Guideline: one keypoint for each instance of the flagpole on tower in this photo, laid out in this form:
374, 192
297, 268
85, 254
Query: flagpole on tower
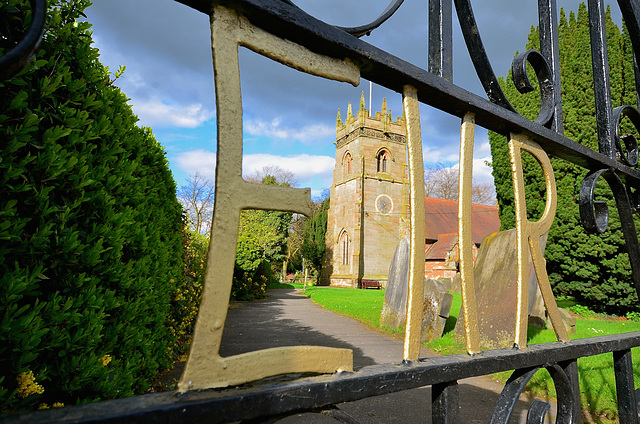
370, 91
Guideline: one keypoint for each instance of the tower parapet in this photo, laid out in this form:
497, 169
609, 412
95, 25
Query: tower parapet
381, 126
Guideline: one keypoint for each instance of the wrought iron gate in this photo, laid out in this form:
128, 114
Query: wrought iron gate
283, 32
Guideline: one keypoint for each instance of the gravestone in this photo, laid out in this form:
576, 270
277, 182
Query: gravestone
436, 307
448, 283
568, 320
455, 284
495, 278
537, 311
436, 300
394, 309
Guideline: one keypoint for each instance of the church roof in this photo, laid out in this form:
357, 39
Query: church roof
441, 217
440, 249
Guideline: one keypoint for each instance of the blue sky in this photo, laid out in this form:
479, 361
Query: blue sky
289, 117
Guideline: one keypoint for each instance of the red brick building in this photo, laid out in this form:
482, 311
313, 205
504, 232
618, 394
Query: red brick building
369, 211
441, 239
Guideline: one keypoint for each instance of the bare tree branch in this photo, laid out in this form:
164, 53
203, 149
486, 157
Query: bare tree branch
442, 182
197, 200
282, 176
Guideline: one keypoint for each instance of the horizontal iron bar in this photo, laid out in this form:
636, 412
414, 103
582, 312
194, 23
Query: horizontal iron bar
253, 401
290, 22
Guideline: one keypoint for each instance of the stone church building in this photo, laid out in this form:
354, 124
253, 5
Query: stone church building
369, 207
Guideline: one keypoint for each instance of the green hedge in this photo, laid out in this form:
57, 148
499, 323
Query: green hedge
188, 291
90, 227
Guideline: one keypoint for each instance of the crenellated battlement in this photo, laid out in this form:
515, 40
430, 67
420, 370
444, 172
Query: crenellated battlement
381, 126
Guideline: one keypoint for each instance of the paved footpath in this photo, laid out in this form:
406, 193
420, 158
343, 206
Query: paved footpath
288, 318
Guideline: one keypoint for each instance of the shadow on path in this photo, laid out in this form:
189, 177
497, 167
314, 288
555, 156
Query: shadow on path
287, 318
264, 324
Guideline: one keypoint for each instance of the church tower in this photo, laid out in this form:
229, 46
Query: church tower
369, 210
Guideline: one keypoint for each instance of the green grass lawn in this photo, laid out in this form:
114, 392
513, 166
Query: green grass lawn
363, 305
597, 383
597, 380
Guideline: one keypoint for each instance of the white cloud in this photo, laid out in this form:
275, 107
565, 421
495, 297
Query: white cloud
440, 155
201, 161
481, 172
274, 129
450, 155
303, 166
130, 81
157, 113
482, 149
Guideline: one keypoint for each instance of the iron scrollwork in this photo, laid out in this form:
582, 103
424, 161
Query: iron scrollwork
13, 61
595, 214
478, 54
627, 153
547, 71
359, 31
366, 29
545, 81
538, 410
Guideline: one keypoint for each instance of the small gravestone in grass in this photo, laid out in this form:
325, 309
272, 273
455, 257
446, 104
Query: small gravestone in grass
394, 308
436, 307
436, 300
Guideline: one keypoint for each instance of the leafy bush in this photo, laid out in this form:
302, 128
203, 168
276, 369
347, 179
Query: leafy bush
581, 310
633, 316
188, 292
315, 231
261, 248
251, 284
90, 228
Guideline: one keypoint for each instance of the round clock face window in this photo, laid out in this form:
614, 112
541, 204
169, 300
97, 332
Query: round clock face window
384, 204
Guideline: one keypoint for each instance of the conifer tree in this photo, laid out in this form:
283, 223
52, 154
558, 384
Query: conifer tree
314, 235
592, 268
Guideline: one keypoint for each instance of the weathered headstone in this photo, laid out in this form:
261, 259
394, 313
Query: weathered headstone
394, 308
537, 311
447, 283
436, 308
436, 300
455, 284
495, 278
568, 320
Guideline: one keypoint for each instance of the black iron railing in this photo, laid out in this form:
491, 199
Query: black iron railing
615, 161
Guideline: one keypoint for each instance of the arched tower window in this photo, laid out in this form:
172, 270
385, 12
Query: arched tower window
347, 163
343, 245
383, 161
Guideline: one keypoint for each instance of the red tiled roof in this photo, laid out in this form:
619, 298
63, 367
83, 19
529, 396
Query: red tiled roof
439, 250
441, 217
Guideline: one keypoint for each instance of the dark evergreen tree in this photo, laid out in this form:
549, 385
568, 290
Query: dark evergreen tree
592, 268
314, 235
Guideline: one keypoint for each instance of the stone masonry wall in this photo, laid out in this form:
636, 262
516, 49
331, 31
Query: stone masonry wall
369, 204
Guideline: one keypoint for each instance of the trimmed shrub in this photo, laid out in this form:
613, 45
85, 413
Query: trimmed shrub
90, 227
187, 293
